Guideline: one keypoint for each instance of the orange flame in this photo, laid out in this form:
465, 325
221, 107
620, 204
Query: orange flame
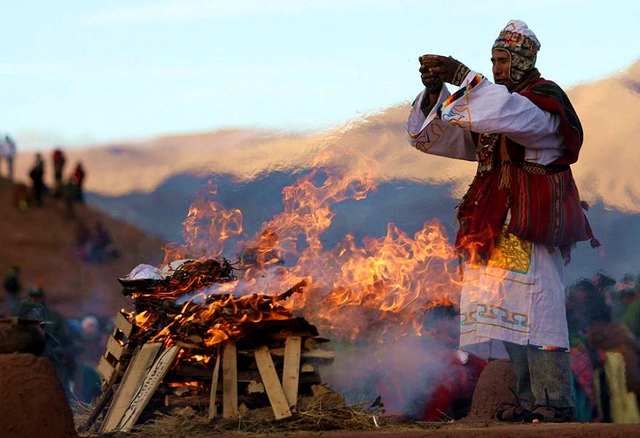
382, 286
206, 229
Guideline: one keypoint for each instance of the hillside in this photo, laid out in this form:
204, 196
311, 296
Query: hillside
41, 241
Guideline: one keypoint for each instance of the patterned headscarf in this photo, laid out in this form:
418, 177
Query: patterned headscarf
521, 44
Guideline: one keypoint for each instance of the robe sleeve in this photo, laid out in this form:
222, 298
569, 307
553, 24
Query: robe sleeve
434, 136
483, 107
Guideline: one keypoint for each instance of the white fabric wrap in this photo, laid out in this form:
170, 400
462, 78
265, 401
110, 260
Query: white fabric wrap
538, 294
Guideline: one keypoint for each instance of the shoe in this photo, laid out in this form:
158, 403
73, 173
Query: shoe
513, 412
549, 414
510, 413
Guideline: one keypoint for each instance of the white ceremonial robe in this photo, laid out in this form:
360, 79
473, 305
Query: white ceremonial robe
519, 296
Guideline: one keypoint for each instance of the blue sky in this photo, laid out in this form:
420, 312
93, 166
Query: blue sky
82, 72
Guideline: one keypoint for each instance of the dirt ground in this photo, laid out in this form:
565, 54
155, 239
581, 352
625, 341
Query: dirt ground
479, 430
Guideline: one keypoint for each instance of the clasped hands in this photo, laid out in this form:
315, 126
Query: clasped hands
436, 69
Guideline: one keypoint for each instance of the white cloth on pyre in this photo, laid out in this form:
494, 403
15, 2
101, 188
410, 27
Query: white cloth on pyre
171, 268
525, 306
144, 272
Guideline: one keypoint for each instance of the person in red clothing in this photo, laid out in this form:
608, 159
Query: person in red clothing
451, 399
521, 215
58, 167
77, 180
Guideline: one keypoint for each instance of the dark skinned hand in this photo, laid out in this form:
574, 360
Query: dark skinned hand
447, 69
429, 78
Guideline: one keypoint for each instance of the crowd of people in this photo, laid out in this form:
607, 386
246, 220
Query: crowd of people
603, 317
94, 245
69, 189
604, 324
74, 345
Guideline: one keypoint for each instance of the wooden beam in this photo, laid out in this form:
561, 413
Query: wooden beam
131, 381
213, 408
327, 355
149, 385
307, 368
291, 369
229, 381
115, 348
309, 343
188, 400
123, 324
271, 383
108, 390
105, 369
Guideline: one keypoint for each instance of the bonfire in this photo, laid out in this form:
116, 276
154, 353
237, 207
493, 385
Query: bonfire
172, 349
254, 324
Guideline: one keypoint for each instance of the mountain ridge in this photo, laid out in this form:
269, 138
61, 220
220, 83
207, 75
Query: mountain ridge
608, 108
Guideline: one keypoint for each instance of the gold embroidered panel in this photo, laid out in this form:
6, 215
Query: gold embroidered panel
511, 253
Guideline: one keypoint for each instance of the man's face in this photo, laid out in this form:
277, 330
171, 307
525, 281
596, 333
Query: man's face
501, 64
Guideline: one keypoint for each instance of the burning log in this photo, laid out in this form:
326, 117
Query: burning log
192, 347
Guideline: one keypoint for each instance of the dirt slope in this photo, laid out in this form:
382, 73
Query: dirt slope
41, 242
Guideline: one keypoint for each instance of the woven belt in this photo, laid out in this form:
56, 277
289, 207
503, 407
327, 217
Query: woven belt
540, 169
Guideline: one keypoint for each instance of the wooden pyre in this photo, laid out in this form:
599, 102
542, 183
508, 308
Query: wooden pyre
248, 353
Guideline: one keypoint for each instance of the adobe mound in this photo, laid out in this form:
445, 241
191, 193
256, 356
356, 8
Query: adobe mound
33, 403
492, 391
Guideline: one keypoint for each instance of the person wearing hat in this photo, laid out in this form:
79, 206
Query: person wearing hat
521, 214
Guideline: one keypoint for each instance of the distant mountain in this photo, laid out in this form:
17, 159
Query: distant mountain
152, 183
608, 108
42, 243
408, 204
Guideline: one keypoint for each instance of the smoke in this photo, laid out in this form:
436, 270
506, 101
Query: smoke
371, 297
404, 371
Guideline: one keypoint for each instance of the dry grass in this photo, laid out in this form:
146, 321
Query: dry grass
315, 417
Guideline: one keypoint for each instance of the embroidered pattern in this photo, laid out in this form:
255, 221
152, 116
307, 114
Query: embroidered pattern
511, 253
484, 151
496, 316
461, 92
432, 134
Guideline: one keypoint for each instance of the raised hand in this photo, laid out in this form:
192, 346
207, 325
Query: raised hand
447, 69
430, 79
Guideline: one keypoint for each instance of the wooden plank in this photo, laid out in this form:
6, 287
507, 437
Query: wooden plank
123, 324
309, 343
131, 381
147, 388
213, 408
291, 369
313, 354
109, 388
307, 368
187, 400
229, 381
271, 383
104, 368
114, 347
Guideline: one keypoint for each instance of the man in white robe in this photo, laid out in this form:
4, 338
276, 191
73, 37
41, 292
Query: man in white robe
512, 302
